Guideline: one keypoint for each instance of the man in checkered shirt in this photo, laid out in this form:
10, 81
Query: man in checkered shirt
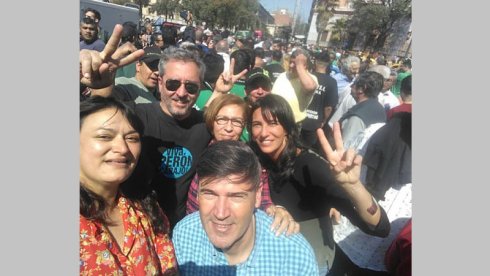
229, 235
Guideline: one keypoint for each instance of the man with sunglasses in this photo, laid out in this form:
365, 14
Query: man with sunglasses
175, 134
142, 88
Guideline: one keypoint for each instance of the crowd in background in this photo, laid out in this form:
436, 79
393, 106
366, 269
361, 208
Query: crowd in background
311, 115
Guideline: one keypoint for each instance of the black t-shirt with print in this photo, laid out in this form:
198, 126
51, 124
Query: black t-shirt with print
170, 152
325, 95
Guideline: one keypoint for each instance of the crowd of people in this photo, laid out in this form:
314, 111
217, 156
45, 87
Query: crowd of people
202, 153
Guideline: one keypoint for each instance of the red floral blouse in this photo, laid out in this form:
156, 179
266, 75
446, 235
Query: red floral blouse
143, 252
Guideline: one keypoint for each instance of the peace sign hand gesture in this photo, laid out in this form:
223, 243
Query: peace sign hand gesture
227, 79
98, 69
345, 164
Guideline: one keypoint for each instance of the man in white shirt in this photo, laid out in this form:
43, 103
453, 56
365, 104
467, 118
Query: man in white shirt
297, 85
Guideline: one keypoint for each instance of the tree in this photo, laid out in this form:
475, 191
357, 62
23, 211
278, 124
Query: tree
142, 3
119, 2
224, 13
324, 9
375, 19
339, 30
166, 7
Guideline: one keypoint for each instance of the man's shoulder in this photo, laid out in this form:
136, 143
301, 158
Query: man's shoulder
98, 45
196, 117
130, 85
330, 79
189, 223
291, 255
188, 237
295, 242
340, 77
282, 78
125, 80
99, 42
313, 76
323, 77
274, 66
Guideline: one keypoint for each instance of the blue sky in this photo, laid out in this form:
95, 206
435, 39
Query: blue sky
304, 6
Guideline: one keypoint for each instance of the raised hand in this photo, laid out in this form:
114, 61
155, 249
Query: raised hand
98, 69
227, 79
283, 221
345, 164
301, 61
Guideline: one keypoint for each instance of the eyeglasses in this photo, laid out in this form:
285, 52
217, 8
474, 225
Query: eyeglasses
173, 85
234, 121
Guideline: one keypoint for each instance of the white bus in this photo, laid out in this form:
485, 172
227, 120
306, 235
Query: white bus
111, 14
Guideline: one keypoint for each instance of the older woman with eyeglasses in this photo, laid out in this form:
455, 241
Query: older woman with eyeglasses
225, 118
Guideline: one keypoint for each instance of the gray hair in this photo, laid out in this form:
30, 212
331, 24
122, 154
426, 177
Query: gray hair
178, 54
222, 46
346, 63
384, 70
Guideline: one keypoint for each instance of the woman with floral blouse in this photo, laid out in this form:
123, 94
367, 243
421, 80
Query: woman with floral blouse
123, 231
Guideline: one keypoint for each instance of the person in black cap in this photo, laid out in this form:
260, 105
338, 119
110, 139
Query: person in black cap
258, 84
143, 87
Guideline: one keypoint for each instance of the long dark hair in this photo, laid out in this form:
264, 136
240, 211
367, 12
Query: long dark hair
94, 207
276, 108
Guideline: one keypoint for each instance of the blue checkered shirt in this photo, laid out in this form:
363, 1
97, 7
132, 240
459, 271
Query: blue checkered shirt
271, 255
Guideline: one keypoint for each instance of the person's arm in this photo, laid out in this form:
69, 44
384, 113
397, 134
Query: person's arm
307, 81
327, 110
346, 167
283, 221
98, 69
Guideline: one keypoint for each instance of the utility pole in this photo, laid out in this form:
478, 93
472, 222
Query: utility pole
295, 16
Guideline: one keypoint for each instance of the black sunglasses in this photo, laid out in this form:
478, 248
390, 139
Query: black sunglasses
173, 85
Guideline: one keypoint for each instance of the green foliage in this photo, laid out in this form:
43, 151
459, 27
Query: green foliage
375, 19
324, 10
166, 7
226, 13
339, 30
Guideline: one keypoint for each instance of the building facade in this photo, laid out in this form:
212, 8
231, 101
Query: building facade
398, 42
